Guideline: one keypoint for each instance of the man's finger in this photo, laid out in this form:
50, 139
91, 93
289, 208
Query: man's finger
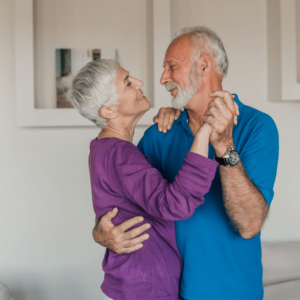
226, 96
218, 117
221, 104
109, 215
129, 223
237, 110
235, 120
209, 120
136, 241
133, 248
129, 235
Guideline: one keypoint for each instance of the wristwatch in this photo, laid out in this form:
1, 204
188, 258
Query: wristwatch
231, 158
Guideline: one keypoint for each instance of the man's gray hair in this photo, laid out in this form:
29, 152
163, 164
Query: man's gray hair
205, 40
94, 87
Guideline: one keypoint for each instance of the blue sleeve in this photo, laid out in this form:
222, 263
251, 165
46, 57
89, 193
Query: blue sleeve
260, 155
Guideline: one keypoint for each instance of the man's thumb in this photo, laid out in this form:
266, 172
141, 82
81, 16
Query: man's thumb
111, 214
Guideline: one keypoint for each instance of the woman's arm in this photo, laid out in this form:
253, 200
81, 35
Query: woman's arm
133, 177
201, 140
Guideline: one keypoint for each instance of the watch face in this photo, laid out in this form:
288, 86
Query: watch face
233, 158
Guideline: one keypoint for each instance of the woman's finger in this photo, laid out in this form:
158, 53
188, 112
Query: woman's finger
161, 116
171, 120
155, 119
178, 114
166, 121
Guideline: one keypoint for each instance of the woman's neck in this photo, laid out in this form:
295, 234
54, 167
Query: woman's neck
125, 134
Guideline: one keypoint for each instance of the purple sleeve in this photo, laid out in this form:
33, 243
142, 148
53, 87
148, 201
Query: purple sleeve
133, 177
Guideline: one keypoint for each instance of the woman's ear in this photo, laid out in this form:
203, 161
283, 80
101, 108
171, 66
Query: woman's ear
109, 112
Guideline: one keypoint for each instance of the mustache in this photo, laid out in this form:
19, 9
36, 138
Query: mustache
171, 86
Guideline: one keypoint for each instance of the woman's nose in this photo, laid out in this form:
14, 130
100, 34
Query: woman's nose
139, 83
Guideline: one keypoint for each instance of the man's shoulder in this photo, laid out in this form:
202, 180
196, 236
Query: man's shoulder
255, 130
153, 134
255, 119
152, 131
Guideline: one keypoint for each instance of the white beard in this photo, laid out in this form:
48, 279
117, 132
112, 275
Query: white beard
184, 94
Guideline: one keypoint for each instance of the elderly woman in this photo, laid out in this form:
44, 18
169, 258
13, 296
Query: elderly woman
122, 177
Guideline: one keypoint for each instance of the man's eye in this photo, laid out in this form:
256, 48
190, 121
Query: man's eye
129, 83
171, 67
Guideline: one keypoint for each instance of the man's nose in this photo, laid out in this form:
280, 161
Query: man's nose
164, 78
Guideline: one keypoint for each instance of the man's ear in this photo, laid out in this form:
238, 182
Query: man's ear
205, 64
109, 112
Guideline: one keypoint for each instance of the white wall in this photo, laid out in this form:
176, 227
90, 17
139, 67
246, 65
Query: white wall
46, 216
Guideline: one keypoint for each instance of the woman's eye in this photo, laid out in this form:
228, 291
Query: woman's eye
129, 84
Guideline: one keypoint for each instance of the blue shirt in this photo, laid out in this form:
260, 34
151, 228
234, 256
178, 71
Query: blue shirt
217, 262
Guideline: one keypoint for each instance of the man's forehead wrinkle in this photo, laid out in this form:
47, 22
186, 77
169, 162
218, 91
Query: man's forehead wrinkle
171, 61
179, 51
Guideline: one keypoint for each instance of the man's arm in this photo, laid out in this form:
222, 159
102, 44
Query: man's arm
243, 201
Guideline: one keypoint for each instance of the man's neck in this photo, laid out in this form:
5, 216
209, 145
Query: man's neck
198, 105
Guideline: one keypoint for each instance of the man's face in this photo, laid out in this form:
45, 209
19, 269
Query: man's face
181, 76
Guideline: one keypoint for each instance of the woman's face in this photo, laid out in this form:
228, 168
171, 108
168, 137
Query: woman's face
131, 99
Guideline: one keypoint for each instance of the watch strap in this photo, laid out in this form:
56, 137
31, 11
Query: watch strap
220, 160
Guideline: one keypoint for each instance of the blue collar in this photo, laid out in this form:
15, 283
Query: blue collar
184, 116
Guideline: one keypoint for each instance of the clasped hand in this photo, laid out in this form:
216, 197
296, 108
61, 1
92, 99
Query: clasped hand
221, 114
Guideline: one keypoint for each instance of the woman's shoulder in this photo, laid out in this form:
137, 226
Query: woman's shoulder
115, 151
114, 146
125, 149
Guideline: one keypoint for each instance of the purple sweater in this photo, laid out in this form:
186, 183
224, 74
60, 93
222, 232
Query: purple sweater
122, 177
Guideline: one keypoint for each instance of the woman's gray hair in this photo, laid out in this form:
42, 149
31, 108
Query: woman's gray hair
205, 40
94, 87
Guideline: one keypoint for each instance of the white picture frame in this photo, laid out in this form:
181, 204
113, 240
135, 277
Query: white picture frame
29, 116
290, 86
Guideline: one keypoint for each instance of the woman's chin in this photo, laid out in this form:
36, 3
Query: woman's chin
146, 104
149, 105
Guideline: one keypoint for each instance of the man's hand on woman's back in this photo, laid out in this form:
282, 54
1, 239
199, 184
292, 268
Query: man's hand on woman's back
117, 238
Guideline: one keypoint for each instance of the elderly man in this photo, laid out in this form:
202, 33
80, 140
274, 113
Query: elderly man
220, 244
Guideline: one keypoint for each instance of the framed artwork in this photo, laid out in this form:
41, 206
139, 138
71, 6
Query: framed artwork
290, 52
40, 95
283, 50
